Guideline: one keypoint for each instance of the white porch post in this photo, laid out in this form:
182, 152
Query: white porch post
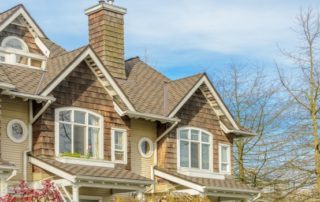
75, 193
3, 186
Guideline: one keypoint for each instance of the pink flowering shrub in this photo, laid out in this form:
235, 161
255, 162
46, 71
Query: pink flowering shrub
23, 193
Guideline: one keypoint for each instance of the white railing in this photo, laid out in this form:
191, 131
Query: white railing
21, 58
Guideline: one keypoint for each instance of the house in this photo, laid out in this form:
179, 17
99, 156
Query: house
99, 125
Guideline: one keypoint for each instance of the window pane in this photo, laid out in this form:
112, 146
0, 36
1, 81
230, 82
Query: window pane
118, 140
224, 167
194, 135
14, 43
205, 156
194, 155
64, 138
224, 154
184, 154
204, 137
79, 139
93, 135
183, 134
119, 155
65, 116
79, 117
145, 147
93, 120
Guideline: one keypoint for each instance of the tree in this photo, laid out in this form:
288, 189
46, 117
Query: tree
304, 89
257, 104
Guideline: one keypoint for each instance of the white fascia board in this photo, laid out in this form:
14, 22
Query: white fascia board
42, 47
110, 79
115, 180
187, 97
52, 169
22, 11
220, 102
88, 52
71, 67
28, 96
205, 80
234, 190
178, 180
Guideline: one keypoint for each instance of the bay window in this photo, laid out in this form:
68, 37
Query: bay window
79, 133
194, 149
119, 145
225, 159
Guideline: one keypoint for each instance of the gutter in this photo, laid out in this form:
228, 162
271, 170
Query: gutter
7, 86
27, 96
162, 119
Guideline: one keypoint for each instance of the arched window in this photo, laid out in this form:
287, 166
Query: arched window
79, 133
14, 42
194, 149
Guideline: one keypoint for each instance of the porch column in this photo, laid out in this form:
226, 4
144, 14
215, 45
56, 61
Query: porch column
3, 186
75, 193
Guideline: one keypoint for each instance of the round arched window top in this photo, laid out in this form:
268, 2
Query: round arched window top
145, 147
14, 42
17, 130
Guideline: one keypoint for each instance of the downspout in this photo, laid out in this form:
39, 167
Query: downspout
155, 150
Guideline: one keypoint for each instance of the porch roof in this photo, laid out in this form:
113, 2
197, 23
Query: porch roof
228, 186
76, 173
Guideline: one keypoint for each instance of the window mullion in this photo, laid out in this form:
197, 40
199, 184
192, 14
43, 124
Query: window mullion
189, 147
72, 130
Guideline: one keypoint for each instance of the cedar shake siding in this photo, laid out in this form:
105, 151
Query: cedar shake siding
80, 89
197, 113
106, 36
23, 33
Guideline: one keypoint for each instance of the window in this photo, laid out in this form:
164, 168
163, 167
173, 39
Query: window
194, 149
225, 162
79, 133
145, 147
17, 131
119, 145
14, 43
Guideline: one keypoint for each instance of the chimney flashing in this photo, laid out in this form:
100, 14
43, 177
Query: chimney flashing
106, 6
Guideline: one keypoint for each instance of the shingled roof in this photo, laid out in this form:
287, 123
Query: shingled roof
225, 184
150, 91
6, 14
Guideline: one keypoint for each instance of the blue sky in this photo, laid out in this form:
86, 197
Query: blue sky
179, 37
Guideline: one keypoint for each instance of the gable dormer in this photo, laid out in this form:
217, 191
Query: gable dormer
20, 42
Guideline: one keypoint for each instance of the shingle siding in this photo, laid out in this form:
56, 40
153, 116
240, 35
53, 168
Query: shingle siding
197, 113
23, 33
79, 89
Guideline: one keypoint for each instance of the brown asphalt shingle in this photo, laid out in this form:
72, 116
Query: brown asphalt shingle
4, 15
94, 171
214, 183
152, 92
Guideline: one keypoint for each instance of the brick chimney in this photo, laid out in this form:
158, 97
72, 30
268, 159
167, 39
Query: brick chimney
106, 35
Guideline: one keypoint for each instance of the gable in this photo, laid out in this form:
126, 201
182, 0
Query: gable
19, 30
79, 89
11, 15
213, 99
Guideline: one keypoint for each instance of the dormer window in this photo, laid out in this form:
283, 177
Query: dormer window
15, 51
14, 43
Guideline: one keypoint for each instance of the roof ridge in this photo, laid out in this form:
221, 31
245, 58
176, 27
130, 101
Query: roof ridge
72, 51
12, 8
188, 77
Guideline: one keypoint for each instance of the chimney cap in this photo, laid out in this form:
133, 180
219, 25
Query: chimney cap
108, 1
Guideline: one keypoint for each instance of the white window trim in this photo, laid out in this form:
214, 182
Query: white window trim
150, 153
57, 135
194, 170
228, 156
24, 128
5, 40
125, 161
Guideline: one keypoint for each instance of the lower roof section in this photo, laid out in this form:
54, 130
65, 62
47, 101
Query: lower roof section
93, 175
211, 187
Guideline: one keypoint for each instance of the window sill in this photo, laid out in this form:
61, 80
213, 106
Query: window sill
86, 162
201, 173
